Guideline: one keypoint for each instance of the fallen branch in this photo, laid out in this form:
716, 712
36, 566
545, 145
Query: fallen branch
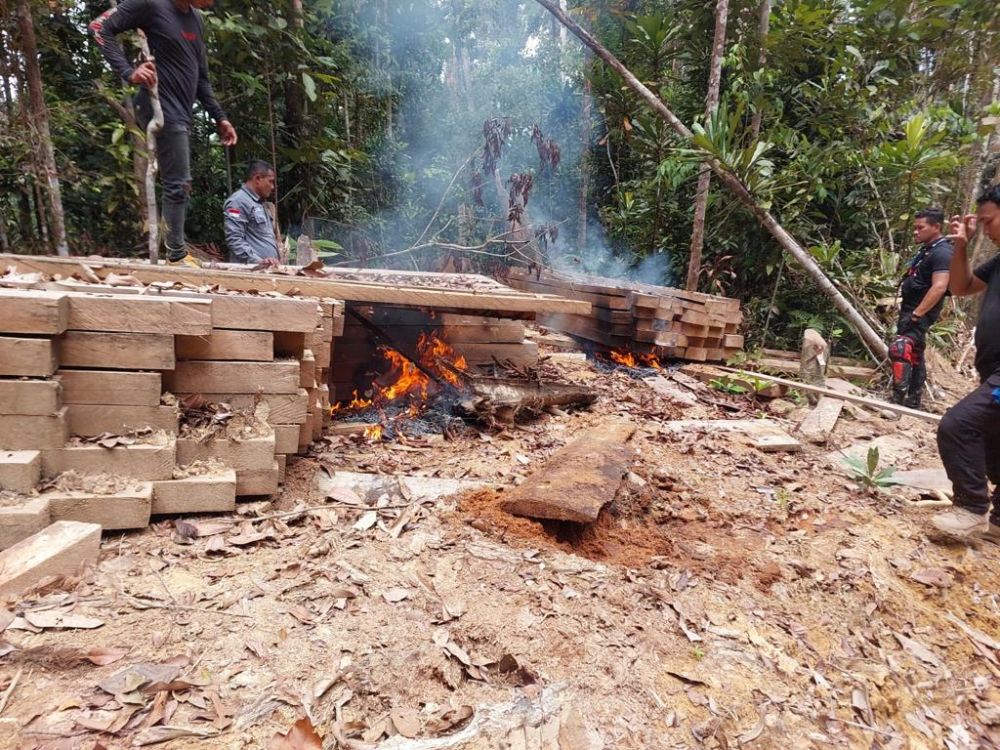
9, 691
867, 334
862, 400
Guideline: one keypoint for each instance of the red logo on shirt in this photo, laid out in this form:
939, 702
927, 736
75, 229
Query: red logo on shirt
189, 35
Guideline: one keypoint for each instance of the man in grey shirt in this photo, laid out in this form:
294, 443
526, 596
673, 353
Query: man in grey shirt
249, 226
175, 31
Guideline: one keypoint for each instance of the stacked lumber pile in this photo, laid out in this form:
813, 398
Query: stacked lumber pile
625, 315
104, 393
479, 339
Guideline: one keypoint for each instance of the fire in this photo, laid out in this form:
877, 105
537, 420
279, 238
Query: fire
373, 433
629, 359
409, 380
433, 350
623, 357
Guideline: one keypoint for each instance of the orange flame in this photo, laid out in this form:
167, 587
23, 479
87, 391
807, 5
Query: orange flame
630, 359
623, 357
409, 380
373, 433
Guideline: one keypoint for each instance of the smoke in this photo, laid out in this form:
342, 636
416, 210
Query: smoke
456, 66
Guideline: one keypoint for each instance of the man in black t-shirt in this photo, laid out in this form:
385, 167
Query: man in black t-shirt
175, 31
969, 434
922, 290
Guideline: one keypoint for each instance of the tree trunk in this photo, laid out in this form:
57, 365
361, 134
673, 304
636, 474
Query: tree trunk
705, 177
981, 147
865, 332
585, 138
40, 117
763, 27
295, 120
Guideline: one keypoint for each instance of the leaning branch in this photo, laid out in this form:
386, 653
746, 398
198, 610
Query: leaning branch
735, 185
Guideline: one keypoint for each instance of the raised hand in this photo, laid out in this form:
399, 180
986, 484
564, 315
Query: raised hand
145, 74
961, 229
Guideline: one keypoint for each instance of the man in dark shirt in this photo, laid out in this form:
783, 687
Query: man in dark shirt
969, 434
923, 290
175, 31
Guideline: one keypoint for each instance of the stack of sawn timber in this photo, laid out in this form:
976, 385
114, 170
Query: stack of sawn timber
81, 364
668, 322
481, 340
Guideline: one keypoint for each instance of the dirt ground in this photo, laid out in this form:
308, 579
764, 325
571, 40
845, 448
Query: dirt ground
726, 598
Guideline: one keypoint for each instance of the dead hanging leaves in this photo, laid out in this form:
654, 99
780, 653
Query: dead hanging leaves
549, 153
496, 131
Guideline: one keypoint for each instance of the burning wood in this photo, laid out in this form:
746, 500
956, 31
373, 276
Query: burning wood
492, 399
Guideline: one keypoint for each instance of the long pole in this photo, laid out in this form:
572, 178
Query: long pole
734, 184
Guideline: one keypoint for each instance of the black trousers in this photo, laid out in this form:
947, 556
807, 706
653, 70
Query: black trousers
173, 153
911, 393
969, 444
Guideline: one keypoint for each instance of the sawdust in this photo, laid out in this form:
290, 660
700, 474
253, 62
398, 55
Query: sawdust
93, 484
11, 499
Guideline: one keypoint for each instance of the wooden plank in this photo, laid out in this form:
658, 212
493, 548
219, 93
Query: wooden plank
18, 522
33, 312
843, 371
283, 408
821, 421
225, 345
525, 353
255, 482
578, 480
873, 402
243, 455
143, 462
778, 442
30, 397
233, 377
88, 420
212, 493
128, 509
109, 387
117, 351
62, 549
255, 313
307, 370
336, 288
286, 438
139, 314
20, 470
19, 432
24, 357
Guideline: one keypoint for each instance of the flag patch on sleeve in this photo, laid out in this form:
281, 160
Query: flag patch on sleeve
233, 211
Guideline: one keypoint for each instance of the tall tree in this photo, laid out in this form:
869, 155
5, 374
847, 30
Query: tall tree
705, 176
763, 26
40, 112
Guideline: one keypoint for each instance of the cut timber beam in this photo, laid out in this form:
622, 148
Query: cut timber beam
578, 480
143, 462
104, 387
510, 301
234, 377
139, 314
30, 397
283, 408
18, 522
88, 420
210, 493
872, 402
20, 470
62, 549
33, 312
128, 509
18, 432
252, 346
23, 357
116, 351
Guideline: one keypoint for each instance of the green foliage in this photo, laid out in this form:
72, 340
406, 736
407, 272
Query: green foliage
867, 473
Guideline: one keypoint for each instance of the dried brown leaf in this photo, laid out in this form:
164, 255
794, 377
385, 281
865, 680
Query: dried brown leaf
301, 736
104, 656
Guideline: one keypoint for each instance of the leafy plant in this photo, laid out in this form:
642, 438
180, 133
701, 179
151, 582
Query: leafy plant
867, 473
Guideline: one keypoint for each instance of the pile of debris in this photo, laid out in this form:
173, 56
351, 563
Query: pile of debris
630, 316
